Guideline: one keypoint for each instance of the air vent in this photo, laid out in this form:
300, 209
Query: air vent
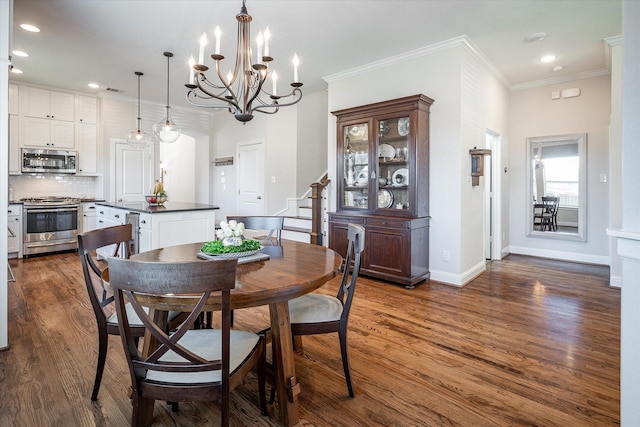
110, 89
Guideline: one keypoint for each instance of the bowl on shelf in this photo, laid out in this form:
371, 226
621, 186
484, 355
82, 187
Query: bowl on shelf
155, 200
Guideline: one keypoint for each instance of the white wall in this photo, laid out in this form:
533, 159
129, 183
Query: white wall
630, 333
468, 99
534, 113
5, 36
289, 140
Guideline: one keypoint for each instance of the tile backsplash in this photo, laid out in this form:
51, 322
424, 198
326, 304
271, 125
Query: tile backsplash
55, 185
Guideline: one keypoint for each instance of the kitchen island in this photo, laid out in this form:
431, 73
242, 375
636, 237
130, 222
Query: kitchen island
172, 223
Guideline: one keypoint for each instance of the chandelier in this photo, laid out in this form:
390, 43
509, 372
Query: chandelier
242, 91
166, 130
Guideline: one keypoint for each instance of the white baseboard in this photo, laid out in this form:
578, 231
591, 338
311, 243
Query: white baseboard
458, 279
615, 281
561, 255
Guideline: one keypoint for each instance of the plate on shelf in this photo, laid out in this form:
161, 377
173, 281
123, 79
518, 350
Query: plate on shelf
357, 130
386, 151
400, 177
385, 198
403, 126
363, 177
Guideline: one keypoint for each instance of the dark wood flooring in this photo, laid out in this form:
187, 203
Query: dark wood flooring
530, 342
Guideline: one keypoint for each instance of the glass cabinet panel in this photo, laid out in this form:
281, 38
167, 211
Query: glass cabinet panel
356, 165
393, 163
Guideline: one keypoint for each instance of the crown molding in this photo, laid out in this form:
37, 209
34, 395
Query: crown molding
456, 42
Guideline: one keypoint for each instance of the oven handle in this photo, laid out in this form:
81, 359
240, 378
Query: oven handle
37, 210
57, 243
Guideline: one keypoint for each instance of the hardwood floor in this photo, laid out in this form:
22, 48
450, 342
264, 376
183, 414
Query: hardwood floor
530, 342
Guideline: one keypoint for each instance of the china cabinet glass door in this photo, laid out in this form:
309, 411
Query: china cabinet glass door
393, 163
356, 165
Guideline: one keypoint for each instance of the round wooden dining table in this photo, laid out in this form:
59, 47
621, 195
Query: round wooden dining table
293, 269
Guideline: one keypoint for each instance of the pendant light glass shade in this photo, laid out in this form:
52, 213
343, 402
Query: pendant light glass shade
166, 130
138, 136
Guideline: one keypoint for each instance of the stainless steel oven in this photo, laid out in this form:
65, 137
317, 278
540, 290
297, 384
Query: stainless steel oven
50, 224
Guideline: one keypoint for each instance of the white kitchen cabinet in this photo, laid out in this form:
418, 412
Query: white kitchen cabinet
14, 99
87, 146
14, 224
14, 145
86, 109
89, 216
108, 217
145, 239
163, 228
46, 104
46, 133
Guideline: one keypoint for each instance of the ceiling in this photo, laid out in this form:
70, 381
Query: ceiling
106, 41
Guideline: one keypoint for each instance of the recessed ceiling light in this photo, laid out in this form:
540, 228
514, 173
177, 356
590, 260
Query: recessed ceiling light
29, 27
558, 68
16, 70
20, 53
94, 85
535, 37
548, 58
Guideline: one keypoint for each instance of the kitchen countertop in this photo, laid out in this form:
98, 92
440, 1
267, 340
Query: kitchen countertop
143, 207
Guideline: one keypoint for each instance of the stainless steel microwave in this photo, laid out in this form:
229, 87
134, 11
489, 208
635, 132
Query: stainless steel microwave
48, 161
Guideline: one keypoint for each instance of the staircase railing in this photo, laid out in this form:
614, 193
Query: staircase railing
316, 209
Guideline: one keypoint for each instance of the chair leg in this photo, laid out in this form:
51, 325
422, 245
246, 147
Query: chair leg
345, 360
103, 341
141, 407
262, 377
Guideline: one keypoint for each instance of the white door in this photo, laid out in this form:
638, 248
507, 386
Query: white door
133, 172
250, 169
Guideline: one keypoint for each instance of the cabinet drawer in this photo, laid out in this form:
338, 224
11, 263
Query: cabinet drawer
345, 219
388, 222
145, 222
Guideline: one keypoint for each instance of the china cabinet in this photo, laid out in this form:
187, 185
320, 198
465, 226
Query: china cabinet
383, 184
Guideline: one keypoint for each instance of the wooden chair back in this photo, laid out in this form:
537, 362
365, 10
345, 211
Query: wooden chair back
274, 224
129, 279
355, 236
119, 238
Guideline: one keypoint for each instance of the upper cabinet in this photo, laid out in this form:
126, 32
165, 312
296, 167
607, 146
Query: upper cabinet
383, 153
14, 106
46, 104
87, 109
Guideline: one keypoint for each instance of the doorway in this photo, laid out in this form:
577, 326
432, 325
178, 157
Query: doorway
492, 225
250, 169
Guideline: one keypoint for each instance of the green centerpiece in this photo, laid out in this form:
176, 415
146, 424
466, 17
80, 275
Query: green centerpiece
231, 241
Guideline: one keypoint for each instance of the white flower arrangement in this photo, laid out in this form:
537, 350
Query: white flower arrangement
230, 233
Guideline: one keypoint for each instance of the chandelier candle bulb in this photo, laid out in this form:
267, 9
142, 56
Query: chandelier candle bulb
274, 77
260, 43
267, 36
192, 72
296, 62
203, 43
217, 33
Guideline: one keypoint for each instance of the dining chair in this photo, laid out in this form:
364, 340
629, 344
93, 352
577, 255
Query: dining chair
552, 204
274, 224
188, 364
316, 313
119, 238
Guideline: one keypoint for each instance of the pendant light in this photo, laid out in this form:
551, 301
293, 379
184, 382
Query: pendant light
138, 136
166, 130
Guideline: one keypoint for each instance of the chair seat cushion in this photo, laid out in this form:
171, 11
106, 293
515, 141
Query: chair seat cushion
134, 320
314, 308
206, 343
